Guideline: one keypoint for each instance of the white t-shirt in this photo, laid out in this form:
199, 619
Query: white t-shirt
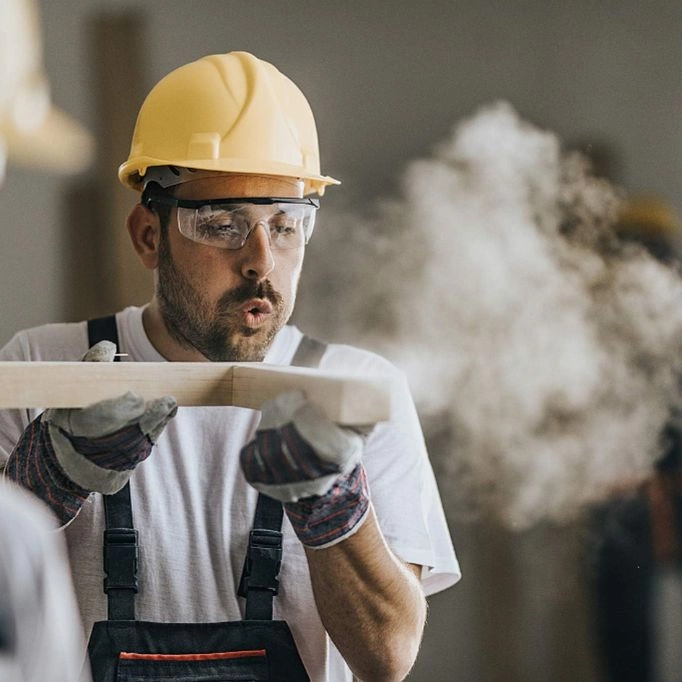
193, 508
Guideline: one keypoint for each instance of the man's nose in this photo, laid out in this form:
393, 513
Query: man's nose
257, 260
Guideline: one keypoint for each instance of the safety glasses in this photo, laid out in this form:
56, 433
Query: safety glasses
227, 223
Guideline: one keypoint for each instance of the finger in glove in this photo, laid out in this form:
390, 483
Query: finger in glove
297, 452
126, 446
102, 351
103, 463
328, 441
283, 456
108, 416
100, 418
122, 450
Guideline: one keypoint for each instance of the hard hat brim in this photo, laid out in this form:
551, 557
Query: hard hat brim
131, 173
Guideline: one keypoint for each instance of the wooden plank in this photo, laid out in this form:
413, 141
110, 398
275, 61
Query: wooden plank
344, 399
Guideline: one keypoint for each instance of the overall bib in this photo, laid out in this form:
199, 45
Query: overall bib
256, 649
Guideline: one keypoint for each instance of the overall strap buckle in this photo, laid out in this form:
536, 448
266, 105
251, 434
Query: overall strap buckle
259, 582
263, 561
121, 555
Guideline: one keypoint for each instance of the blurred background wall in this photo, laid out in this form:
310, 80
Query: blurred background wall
387, 81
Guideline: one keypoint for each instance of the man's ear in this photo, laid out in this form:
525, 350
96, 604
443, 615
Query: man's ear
144, 229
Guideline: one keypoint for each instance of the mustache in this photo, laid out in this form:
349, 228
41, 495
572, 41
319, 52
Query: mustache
247, 291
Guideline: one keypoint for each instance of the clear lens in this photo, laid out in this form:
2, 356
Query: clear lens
227, 226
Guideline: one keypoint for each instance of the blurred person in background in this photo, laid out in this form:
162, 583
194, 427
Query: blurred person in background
636, 556
274, 544
41, 635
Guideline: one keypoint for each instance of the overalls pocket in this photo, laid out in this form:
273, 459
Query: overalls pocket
225, 666
243, 651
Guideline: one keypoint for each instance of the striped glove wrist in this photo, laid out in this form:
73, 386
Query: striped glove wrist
33, 464
323, 520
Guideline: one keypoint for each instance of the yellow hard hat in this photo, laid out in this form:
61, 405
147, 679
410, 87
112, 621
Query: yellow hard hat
226, 113
649, 214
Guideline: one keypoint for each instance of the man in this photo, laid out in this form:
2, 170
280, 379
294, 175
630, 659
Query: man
225, 155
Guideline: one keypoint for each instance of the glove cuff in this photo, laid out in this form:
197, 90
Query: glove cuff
324, 520
33, 464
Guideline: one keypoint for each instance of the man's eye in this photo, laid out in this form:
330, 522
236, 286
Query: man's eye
217, 228
284, 229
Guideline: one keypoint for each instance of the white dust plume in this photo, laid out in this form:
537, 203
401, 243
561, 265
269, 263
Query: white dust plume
548, 348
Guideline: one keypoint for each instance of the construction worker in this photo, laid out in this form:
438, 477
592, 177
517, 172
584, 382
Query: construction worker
203, 575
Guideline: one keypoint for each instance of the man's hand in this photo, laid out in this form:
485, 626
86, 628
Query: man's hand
312, 465
370, 603
65, 454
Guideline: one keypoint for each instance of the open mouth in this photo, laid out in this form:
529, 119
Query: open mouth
256, 311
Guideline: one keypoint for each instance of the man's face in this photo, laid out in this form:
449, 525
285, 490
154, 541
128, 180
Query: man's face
228, 304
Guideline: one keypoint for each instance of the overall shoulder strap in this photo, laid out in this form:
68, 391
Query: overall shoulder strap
259, 582
103, 329
120, 537
309, 352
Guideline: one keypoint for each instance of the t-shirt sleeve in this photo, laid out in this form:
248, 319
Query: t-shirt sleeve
403, 488
13, 421
49, 342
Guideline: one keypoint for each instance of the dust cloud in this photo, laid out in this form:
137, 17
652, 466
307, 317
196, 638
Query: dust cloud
547, 349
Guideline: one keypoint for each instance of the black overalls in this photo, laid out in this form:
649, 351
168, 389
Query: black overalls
258, 648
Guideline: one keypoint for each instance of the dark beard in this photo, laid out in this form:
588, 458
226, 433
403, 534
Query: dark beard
215, 331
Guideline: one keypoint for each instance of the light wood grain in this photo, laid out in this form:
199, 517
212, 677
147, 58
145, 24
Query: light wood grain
345, 399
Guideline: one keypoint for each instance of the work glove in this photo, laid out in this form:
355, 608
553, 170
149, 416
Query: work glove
65, 454
313, 466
